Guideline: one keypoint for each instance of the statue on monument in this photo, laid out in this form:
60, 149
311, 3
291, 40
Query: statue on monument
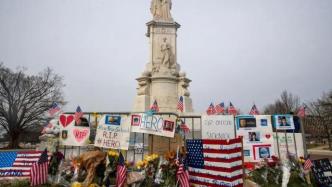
166, 54
161, 9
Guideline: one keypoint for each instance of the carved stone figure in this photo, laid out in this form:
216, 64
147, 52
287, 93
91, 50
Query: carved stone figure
166, 54
161, 9
155, 8
166, 6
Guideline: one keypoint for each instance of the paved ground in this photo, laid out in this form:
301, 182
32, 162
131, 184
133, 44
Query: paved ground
320, 152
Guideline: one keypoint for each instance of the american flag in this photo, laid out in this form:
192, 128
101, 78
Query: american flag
254, 110
184, 127
301, 112
307, 164
121, 172
154, 107
215, 163
39, 170
220, 108
211, 110
180, 104
78, 114
182, 175
231, 109
54, 109
17, 164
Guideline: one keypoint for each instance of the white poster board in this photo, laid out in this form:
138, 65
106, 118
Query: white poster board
71, 133
294, 144
218, 127
257, 134
113, 132
161, 125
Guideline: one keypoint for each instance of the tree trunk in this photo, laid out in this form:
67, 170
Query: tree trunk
328, 135
14, 141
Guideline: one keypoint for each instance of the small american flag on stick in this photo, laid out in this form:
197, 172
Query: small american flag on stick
78, 114
154, 107
180, 104
121, 172
39, 170
211, 110
231, 109
54, 109
220, 108
254, 110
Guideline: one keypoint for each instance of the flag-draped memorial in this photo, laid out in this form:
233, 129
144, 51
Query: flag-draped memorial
215, 163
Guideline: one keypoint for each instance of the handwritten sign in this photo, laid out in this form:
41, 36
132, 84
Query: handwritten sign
72, 133
113, 131
218, 127
153, 124
288, 143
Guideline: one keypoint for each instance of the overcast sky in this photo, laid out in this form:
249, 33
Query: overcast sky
236, 50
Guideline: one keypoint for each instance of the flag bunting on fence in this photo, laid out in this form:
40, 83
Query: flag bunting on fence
215, 162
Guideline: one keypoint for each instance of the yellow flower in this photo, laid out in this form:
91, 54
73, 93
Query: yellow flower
113, 153
93, 185
76, 184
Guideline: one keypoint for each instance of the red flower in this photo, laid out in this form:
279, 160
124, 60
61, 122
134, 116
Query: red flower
249, 166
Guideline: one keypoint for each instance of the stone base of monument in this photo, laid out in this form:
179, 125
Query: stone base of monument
161, 145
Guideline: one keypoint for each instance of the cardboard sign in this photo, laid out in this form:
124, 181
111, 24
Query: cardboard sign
257, 136
153, 124
293, 144
218, 127
72, 133
113, 132
322, 171
283, 122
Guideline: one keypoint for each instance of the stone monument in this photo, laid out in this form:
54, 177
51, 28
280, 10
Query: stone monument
162, 80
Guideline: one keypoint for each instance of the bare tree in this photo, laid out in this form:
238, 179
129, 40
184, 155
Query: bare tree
321, 111
24, 100
287, 103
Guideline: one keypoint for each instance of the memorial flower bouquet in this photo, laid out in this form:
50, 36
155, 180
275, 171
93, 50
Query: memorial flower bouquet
149, 165
168, 169
110, 172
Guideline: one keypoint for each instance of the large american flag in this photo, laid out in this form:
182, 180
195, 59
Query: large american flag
254, 110
215, 163
78, 114
39, 170
180, 104
211, 110
220, 108
54, 109
231, 109
154, 107
17, 164
121, 172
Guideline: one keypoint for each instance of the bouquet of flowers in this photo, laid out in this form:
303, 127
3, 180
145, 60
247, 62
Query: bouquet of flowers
149, 165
